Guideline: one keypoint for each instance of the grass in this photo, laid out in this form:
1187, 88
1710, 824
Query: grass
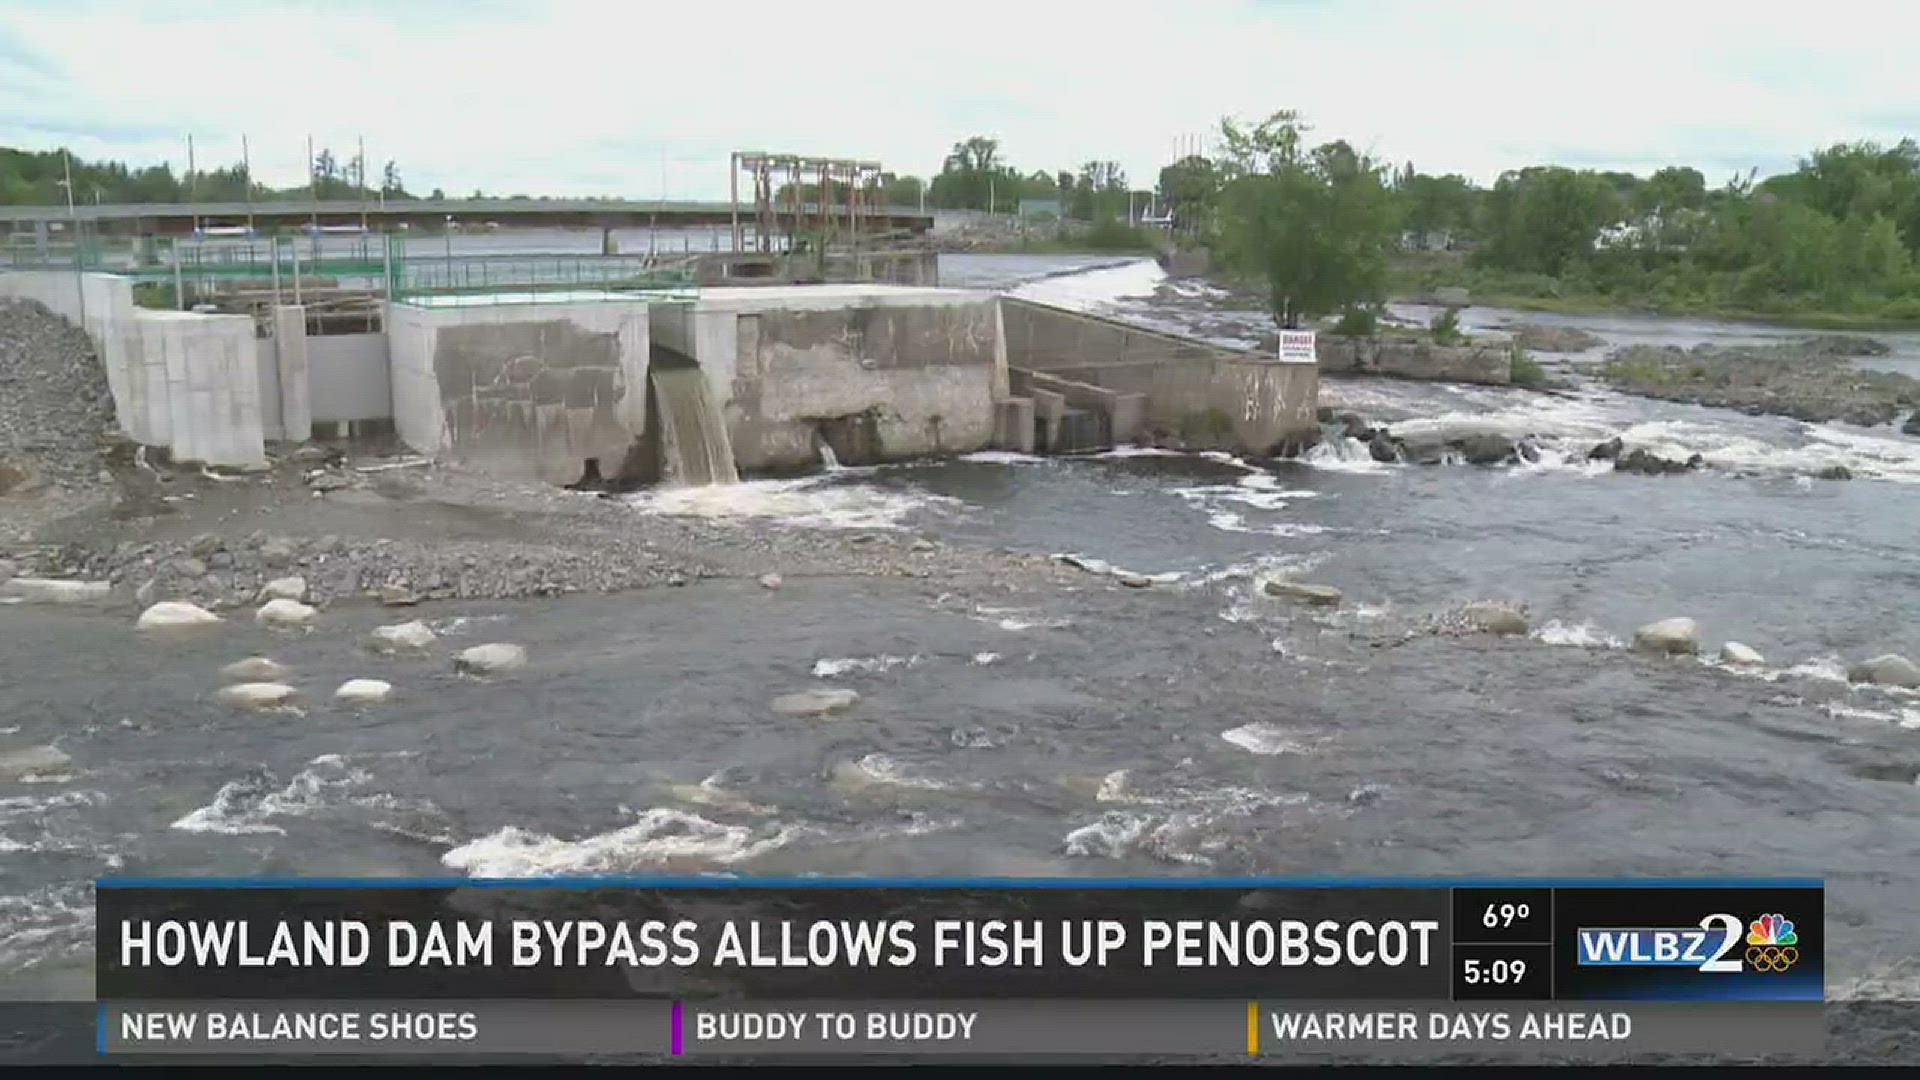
1640, 372
1415, 275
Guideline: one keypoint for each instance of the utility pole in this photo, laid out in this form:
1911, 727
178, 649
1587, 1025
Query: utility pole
193, 186
73, 227
360, 174
313, 187
246, 167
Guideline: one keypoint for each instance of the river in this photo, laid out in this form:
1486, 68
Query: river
1194, 727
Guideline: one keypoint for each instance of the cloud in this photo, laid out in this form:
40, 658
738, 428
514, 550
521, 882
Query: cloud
645, 99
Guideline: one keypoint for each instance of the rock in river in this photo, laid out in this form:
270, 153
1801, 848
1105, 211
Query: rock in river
1651, 464
1887, 670
33, 759
490, 659
255, 669
56, 590
284, 588
413, 636
171, 613
1485, 449
364, 691
1538, 338
815, 702
1302, 591
1494, 617
1668, 637
258, 695
284, 612
1746, 656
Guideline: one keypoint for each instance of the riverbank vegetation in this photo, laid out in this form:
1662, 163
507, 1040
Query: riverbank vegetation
1834, 243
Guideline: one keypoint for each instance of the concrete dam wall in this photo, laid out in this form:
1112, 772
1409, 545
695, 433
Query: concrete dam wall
520, 389
766, 377
1411, 358
874, 372
1150, 383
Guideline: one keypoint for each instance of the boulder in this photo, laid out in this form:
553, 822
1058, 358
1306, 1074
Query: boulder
413, 636
1305, 592
7, 570
284, 613
172, 613
771, 581
255, 669
1912, 426
398, 594
1494, 617
32, 590
490, 659
1668, 637
258, 695
322, 480
1485, 449
1606, 451
363, 691
1834, 472
1536, 338
33, 759
1735, 653
284, 588
1452, 296
1132, 580
1383, 448
815, 702
278, 554
1887, 670
1648, 463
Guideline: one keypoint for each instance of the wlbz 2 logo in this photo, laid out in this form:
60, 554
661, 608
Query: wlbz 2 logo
1714, 947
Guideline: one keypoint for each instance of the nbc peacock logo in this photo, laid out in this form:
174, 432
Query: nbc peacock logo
1772, 943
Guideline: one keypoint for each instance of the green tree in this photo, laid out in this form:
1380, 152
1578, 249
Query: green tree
1435, 207
1544, 218
1315, 225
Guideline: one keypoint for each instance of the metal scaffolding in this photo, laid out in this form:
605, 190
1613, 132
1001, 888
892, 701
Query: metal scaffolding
819, 196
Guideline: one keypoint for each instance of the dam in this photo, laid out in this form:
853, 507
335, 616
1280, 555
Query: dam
688, 384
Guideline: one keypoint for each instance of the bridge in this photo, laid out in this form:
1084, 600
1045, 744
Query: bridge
179, 219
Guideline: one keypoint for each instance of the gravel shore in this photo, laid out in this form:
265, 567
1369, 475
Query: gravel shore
401, 531
1808, 380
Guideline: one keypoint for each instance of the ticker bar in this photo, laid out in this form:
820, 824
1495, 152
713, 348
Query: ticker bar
1201, 1030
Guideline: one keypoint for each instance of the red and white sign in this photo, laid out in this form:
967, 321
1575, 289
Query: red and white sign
1296, 347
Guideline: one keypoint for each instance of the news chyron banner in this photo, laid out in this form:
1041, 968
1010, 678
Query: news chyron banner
707, 969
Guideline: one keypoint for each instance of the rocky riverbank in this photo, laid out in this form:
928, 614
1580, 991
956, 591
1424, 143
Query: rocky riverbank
401, 532
1808, 380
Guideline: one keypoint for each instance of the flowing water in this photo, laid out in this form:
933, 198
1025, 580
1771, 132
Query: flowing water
1193, 727
693, 436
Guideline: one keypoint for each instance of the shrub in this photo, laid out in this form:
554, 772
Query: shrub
1357, 322
1526, 370
1446, 328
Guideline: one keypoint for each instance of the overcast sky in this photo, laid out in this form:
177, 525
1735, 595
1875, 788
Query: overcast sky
647, 98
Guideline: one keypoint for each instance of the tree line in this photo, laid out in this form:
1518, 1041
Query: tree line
38, 177
1325, 225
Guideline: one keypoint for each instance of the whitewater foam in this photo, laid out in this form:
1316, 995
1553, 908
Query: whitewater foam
833, 669
661, 837
1577, 635
1264, 738
807, 502
1003, 457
